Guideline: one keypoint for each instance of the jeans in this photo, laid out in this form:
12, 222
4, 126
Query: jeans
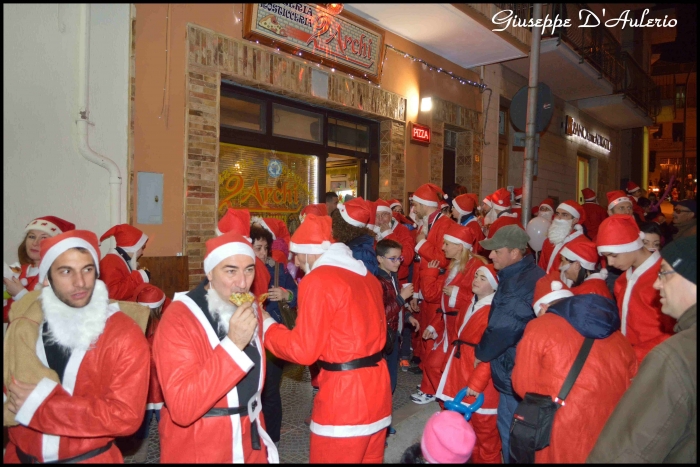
144, 429
392, 362
406, 342
506, 408
271, 397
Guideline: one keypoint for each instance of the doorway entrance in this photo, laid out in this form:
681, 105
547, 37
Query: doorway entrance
582, 177
343, 176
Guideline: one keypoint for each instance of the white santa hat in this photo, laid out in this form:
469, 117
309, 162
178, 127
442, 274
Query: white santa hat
53, 247
221, 247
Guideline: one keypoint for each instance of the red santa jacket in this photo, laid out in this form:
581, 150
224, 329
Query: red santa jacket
473, 225
121, 281
340, 318
197, 372
595, 214
29, 278
550, 256
594, 284
640, 307
503, 220
430, 248
101, 397
543, 358
400, 233
459, 370
261, 282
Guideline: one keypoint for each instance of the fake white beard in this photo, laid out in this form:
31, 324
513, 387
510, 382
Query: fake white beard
76, 328
133, 263
546, 215
222, 310
490, 217
562, 274
559, 230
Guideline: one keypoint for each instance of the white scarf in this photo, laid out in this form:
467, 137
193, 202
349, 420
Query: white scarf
76, 328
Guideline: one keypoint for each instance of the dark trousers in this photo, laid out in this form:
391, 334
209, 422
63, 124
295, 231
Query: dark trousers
271, 397
144, 429
392, 362
406, 342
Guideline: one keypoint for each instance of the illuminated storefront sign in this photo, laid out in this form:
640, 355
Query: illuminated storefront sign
574, 128
420, 133
267, 184
310, 31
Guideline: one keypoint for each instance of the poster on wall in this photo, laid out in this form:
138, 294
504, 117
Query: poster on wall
310, 31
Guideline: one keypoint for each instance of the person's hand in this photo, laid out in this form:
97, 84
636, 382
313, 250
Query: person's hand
476, 362
385, 227
414, 305
471, 392
447, 290
414, 322
275, 294
14, 286
17, 394
434, 264
429, 334
242, 325
407, 292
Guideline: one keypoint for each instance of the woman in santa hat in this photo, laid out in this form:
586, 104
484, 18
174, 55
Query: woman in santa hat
464, 212
460, 371
579, 269
453, 292
24, 276
352, 224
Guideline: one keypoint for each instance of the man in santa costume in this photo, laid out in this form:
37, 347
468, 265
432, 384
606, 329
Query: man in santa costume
618, 203
388, 228
460, 371
487, 214
633, 190
547, 352
502, 207
342, 324
120, 271
579, 270
643, 323
595, 213
546, 209
98, 360
211, 365
565, 228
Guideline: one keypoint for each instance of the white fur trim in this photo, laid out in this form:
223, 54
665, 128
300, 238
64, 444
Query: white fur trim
624, 248
344, 214
489, 277
632, 190
20, 294
339, 255
622, 199
393, 205
224, 251
457, 241
458, 209
487, 202
570, 209
550, 297
498, 207
348, 431
453, 297
136, 246
218, 232
425, 202
590, 200
267, 323
571, 256
238, 356
310, 248
419, 245
37, 397
153, 304
36, 225
382, 208
143, 274
154, 406
259, 220
59, 248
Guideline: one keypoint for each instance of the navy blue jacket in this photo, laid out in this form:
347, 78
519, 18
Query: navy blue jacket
362, 248
511, 310
286, 282
590, 314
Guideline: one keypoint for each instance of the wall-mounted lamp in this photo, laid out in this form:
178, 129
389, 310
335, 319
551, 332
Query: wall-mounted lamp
426, 104
334, 8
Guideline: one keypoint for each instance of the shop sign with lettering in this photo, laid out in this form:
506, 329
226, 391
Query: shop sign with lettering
420, 133
310, 31
574, 128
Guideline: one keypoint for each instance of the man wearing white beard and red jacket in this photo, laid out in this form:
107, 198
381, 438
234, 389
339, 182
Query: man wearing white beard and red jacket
93, 358
565, 228
120, 271
389, 228
211, 365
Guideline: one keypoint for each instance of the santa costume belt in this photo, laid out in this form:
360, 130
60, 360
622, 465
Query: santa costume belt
363, 362
25, 458
458, 343
242, 411
448, 313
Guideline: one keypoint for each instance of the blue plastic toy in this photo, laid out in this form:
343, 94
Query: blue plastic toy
456, 405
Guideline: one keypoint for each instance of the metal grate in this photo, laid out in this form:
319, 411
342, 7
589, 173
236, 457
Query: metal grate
450, 139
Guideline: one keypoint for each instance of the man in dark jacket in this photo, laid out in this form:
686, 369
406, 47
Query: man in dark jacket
511, 310
657, 420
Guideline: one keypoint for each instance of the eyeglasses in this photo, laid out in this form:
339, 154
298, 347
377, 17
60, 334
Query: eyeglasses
680, 211
394, 259
664, 273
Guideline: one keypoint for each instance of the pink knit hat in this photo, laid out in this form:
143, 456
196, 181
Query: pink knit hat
447, 438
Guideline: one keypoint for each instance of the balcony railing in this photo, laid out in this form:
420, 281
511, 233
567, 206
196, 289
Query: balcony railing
668, 144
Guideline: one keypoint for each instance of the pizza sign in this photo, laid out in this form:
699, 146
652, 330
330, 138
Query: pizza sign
420, 133
310, 31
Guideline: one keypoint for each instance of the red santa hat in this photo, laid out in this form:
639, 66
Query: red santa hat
464, 204
128, 237
588, 194
429, 195
148, 295
357, 212
632, 187
500, 199
474, 198
491, 274
460, 235
50, 224
53, 247
394, 203
317, 209
225, 245
575, 209
383, 206
313, 236
616, 197
548, 202
235, 220
488, 200
547, 290
518, 192
535, 211
400, 218
619, 234
584, 252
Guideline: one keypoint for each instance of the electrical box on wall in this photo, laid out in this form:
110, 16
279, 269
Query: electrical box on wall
150, 198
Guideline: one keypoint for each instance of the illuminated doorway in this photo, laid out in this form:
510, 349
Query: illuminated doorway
582, 178
343, 176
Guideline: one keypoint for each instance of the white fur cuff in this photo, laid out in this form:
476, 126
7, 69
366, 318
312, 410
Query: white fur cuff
144, 276
237, 354
419, 244
453, 297
20, 294
267, 323
35, 399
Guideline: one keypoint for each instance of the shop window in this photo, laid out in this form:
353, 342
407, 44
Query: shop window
297, 124
347, 135
450, 139
243, 112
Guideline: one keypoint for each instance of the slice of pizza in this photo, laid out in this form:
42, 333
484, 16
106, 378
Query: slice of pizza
239, 299
270, 23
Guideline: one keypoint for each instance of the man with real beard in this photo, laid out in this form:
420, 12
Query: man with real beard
94, 358
211, 365
120, 271
565, 228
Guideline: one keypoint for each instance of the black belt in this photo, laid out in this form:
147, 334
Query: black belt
363, 362
242, 411
447, 313
458, 343
25, 458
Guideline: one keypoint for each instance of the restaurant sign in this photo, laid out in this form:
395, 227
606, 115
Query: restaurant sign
310, 31
574, 128
420, 133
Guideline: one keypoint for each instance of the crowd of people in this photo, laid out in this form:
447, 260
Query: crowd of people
595, 322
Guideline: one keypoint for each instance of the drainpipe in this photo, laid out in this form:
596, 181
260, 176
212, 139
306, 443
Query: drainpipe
115, 179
